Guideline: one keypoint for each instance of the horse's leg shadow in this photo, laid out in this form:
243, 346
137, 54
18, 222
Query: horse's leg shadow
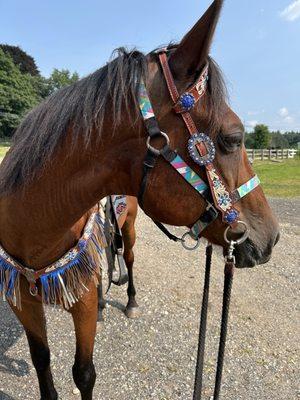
4, 396
10, 332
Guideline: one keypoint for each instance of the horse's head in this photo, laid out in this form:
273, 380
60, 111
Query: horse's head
169, 198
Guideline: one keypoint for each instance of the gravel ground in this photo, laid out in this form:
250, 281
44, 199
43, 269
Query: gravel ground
154, 357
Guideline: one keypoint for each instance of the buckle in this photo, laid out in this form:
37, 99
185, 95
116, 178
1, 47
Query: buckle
29, 275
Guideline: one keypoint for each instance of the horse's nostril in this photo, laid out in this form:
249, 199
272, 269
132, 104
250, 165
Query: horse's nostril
277, 238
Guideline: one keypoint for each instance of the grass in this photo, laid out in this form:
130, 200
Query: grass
278, 179
4, 146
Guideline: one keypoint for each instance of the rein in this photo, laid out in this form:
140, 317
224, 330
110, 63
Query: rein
220, 201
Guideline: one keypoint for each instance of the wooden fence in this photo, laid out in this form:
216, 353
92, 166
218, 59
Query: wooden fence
265, 154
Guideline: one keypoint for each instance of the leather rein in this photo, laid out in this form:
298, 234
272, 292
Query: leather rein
219, 199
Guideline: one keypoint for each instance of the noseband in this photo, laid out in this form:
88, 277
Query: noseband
220, 201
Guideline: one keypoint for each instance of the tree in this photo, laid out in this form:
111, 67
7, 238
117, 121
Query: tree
293, 138
17, 94
61, 78
249, 140
21, 59
261, 137
278, 141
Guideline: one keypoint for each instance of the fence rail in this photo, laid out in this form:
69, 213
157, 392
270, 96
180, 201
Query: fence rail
266, 154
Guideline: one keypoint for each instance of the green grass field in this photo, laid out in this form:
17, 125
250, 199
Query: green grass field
278, 179
4, 146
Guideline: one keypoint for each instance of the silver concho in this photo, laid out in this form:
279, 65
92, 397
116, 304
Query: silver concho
194, 153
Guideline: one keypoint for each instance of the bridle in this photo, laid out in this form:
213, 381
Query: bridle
219, 199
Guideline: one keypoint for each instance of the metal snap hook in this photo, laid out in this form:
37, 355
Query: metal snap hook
242, 238
155, 151
185, 246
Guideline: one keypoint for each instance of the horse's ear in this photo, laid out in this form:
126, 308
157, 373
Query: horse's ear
194, 48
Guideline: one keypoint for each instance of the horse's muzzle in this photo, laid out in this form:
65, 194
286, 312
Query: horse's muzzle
249, 254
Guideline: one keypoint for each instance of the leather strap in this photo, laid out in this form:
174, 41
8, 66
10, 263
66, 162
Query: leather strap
174, 92
210, 170
148, 165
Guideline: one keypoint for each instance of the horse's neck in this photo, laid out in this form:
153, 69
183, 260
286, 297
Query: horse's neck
46, 214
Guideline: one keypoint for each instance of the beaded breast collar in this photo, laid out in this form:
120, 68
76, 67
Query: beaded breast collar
64, 281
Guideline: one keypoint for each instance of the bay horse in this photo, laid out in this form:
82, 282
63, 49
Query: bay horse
88, 141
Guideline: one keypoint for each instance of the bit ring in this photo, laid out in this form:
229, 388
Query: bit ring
242, 238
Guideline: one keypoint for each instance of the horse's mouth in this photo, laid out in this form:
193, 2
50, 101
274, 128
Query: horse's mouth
248, 255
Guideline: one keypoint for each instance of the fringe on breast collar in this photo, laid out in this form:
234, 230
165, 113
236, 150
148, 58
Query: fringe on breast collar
64, 281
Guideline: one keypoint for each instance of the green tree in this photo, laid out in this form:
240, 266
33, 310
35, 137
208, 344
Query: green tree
61, 78
249, 141
261, 137
278, 141
293, 138
21, 59
17, 94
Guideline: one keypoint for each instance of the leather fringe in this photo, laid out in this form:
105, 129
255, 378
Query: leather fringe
64, 285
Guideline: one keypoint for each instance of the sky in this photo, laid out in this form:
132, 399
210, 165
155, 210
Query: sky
256, 43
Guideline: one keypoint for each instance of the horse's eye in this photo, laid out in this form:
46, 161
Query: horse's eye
231, 142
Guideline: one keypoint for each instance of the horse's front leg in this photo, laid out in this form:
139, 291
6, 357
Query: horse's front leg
85, 314
33, 319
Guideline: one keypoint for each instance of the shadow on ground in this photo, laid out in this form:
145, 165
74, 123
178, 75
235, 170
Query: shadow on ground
10, 332
4, 396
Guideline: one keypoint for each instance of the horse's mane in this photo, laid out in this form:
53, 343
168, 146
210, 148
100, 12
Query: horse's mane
83, 104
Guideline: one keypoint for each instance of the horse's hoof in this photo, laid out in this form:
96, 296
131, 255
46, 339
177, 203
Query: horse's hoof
132, 312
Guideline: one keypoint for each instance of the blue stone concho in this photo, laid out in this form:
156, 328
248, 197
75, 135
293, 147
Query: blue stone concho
187, 101
231, 216
194, 153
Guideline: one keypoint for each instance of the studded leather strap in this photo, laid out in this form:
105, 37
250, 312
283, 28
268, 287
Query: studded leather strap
174, 93
222, 202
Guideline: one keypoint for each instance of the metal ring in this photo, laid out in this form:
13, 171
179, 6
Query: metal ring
33, 291
153, 149
187, 247
242, 238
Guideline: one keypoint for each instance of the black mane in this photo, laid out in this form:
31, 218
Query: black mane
84, 104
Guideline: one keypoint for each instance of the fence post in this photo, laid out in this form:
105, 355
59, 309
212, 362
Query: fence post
262, 154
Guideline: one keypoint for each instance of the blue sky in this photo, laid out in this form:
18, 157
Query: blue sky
256, 44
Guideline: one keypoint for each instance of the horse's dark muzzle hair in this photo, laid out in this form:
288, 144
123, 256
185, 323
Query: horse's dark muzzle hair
248, 254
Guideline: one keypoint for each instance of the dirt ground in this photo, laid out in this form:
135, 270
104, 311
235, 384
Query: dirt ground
154, 357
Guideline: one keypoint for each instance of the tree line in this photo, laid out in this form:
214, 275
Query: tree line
22, 87
262, 138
